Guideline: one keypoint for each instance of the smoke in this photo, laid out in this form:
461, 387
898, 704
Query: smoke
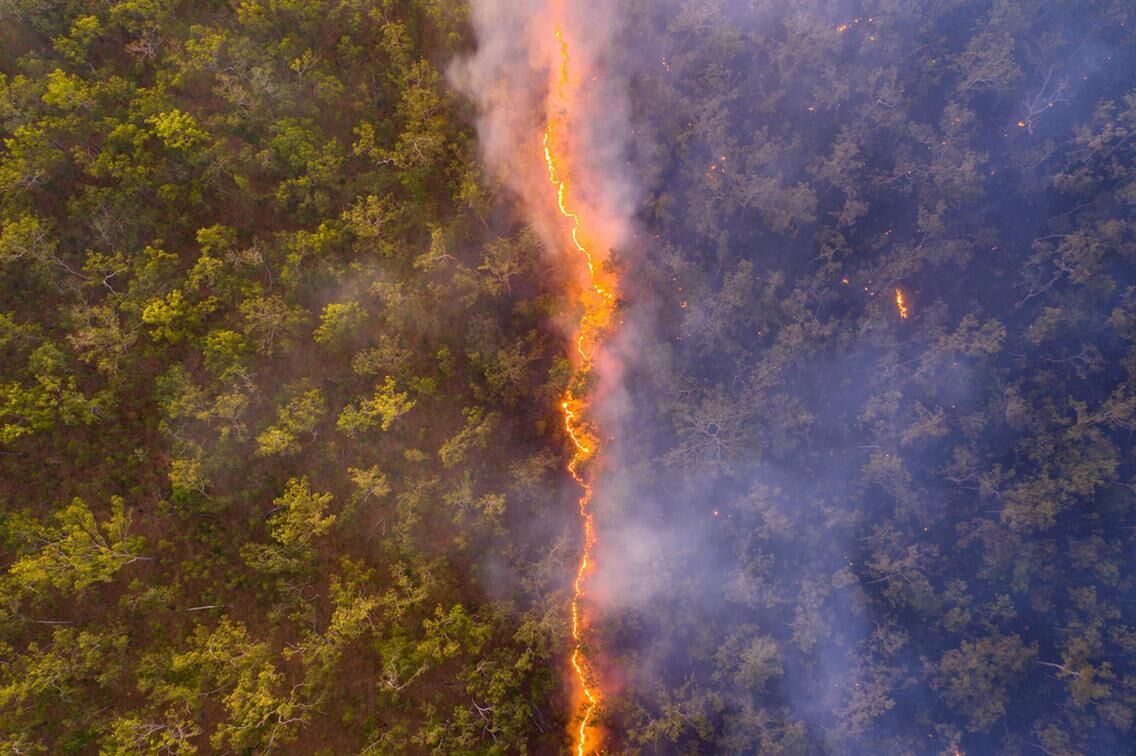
553, 125
661, 551
513, 77
774, 505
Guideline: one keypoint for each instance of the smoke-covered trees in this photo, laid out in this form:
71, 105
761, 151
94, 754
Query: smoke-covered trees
925, 515
979, 679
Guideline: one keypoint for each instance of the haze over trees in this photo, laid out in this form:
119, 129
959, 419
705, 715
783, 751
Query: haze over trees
280, 463
882, 534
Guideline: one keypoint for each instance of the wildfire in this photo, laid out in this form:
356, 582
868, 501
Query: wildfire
901, 304
597, 302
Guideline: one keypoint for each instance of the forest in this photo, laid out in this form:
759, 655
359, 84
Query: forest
282, 357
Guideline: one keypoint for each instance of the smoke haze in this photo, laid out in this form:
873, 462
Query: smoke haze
789, 511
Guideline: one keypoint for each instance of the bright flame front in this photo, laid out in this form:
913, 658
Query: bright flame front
596, 303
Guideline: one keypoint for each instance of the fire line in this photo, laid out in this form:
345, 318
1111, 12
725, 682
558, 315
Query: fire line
597, 303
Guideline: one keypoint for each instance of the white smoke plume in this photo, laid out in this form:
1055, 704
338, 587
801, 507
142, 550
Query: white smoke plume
512, 77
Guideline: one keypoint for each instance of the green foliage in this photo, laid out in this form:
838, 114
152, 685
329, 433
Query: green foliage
339, 322
381, 410
77, 550
369, 483
60, 671
177, 130
224, 352
51, 396
268, 319
298, 417
219, 224
241, 673
299, 517
85, 30
169, 317
25, 237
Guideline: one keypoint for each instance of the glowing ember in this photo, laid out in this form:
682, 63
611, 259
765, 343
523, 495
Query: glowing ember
901, 304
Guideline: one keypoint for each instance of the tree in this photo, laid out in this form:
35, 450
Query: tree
387, 405
339, 323
54, 676
298, 417
298, 518
978, 678
267, 319
241, 673
78, 551
750, 660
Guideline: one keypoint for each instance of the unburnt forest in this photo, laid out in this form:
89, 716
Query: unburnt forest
275, 379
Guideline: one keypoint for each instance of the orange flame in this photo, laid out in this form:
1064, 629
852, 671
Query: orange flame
597, 301
901, 304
